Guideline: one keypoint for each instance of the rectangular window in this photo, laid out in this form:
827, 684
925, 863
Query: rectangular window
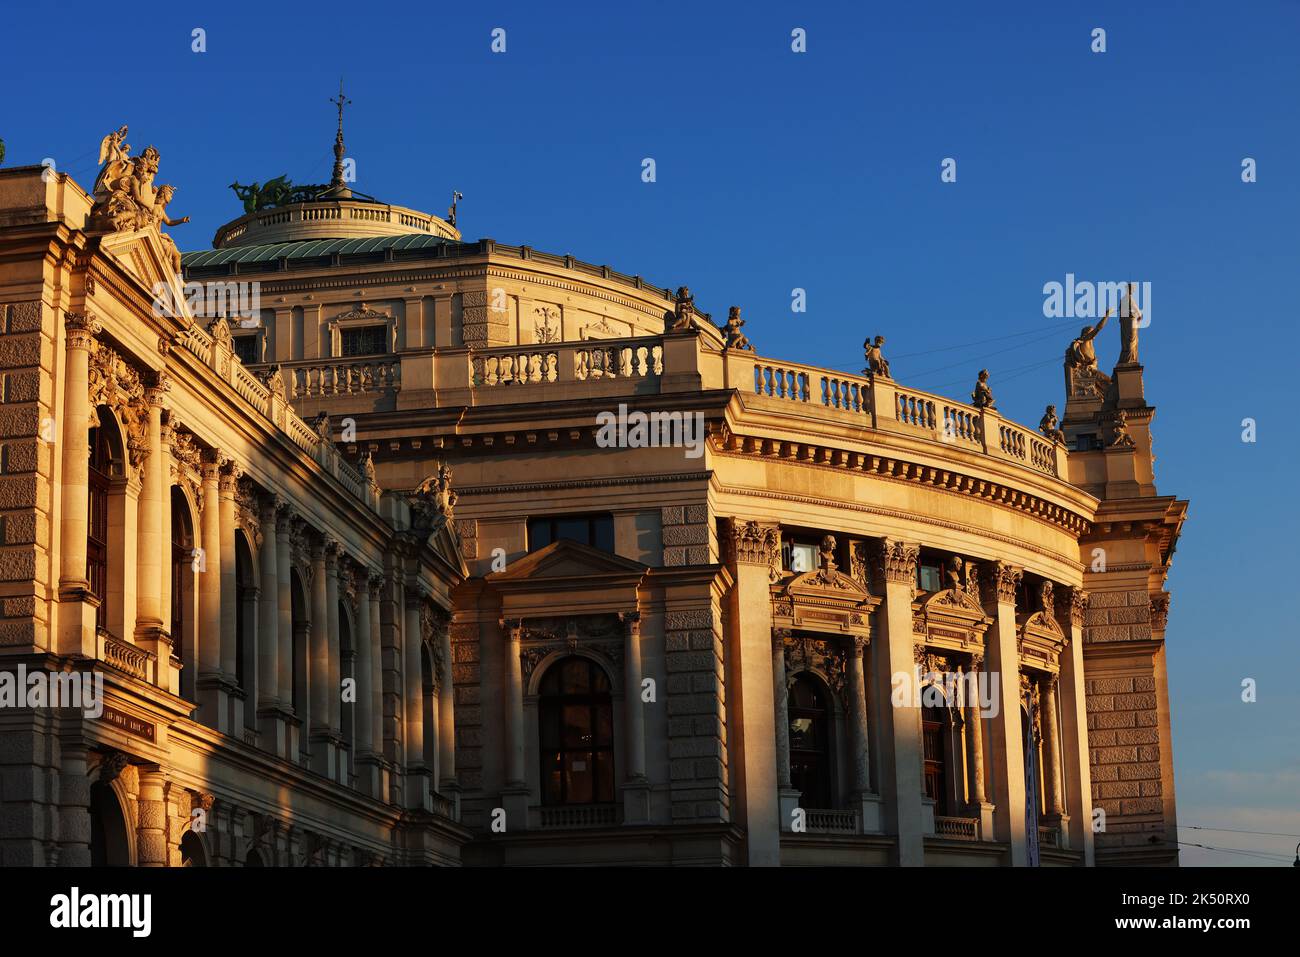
594, 530
365, 341
929, 578
246, 348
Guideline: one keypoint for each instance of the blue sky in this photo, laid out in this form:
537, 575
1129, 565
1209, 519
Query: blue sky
820, 170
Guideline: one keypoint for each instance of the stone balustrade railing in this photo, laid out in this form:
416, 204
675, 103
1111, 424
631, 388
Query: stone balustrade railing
579, 815
352, 375
582, 361
222, 360
831, 821
957, 828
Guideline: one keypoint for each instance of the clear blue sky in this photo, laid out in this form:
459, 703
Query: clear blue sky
820, 170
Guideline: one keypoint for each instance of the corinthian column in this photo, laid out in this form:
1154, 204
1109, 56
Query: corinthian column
333, 568
1008, 748
636, 790
755, 553
1051, 745
858, 698
77, 628
417, 775
208, 683
270, 708
515, 794
323, 752
901, 755
1072, 603
151, 548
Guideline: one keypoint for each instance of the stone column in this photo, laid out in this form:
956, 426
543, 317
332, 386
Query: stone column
77, 625
864, 798
1051, 746
1071, 606
636, 790
515, 795
787, 796
151, 826
447, 784
333, 569
364, 756
1008, 786
150, 572
284, 525
417, 775
755, 554
229, 601
322, 743
375, 585
207, 632
902, 758
975, 743
270, 706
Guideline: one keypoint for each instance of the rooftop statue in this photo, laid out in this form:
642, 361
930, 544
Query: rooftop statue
683, 315
1119, 437
735, 338
982, 397
432, 501
1050, 425
1130, 317
1082, 376
125, 197
1081, 352
877, 364
275, 192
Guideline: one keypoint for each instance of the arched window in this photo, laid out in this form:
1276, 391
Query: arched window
810, 764
101, 468
193, 853
109, 838
933, 722
576, 727
183, 591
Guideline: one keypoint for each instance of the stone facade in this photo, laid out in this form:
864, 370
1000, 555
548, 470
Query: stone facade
728, 610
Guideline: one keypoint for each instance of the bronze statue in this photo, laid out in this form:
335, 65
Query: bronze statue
877, 364
735, 338
1049, 425
982, 397
1129, 318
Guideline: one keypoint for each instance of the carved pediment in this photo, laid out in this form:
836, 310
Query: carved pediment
151, 258
951, 617
567, 560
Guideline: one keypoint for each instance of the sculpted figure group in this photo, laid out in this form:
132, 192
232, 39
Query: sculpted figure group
125, 196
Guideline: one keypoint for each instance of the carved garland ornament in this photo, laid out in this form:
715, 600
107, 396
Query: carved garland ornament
115, 383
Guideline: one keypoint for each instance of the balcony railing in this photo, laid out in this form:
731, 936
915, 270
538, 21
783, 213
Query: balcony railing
831, 821
579, 815
1049, 836
957, 828
582, 361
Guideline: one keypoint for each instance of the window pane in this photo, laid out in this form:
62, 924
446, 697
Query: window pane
552, 771
577, 726
579, 777
549, 726
803, 736
604, 725
539, 533
803, 558
246, 348
575, 529
604, 534
577, 675
366, 341
930, 578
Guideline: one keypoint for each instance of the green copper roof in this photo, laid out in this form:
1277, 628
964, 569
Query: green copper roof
309, 249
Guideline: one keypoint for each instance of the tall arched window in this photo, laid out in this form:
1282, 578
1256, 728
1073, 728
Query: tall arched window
936, 768
101, 467
576, 726
810, 764
246, 628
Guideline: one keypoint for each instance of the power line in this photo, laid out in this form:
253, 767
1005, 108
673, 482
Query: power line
969, 360
1229, 830
967, 345
1261, 855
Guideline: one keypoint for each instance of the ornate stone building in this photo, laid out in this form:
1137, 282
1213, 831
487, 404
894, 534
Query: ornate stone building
843, 622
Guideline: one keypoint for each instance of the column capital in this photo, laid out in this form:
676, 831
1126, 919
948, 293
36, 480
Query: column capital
976, 663
284, 515
1160, 611
779, 638
1000, 582
155, 393
333, 555
755, 543
82, 329
374, 584
210, 463
631, 621
229, 478
857, 645
268, 505
895, 561
1072, 604
513, 625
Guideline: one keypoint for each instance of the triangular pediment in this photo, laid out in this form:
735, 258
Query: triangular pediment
445, 543
828, 581
153, 261
567, 561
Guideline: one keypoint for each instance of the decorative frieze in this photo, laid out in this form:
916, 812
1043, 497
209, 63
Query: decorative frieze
822, 656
